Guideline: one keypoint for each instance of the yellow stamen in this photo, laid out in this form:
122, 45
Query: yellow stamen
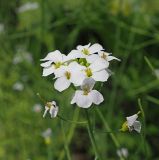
57, 65
88, 72
85, 51
104, 55
68, 75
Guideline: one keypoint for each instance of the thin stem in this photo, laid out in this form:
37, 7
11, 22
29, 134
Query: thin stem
70, 133
91, 135
66, 145
70, 121
109, 130
143, 135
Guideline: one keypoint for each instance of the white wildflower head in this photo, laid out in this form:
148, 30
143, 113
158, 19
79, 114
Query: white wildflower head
132, 123
47, 135
18, 86
85, 97
37, 108
28, 6
122, 152
52, 108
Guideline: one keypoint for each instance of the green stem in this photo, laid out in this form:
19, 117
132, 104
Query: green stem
143, 135
71, 131
91, 135
66, 145
109, 130
70, 121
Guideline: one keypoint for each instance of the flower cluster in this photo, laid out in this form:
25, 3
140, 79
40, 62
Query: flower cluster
81, 67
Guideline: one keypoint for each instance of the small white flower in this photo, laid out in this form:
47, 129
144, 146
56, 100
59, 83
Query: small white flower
28, 6
67, 75
54, 61
47, 133
85, 51
37, 108
122, 153
18, 86
102, 55
52, 108
133, 124
85, 97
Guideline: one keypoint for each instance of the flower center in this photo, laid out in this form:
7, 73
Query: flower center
49, 104
104, 55
86, 90
57, 65
85, 51
68, 75
88, 72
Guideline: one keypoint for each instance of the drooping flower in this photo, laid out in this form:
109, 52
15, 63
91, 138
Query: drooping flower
86, 96
53, 62
67, 75
132, 123
52, 108
85, 51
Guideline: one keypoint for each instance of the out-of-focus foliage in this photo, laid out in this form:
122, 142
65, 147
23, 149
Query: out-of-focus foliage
127, 28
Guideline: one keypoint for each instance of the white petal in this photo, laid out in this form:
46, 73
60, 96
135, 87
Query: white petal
92, 58
103, 52
81, 100
46, 64
101, 76
137, 126
75, 67
74, 54
59, 72
88, 83
98, 65
131, 119
55, 56
53, 111
96, 97
112, 58
80, 47
77, 78
61, 84
45, 112
47, 71
95, 48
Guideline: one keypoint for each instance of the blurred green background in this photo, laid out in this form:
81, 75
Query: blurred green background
30, 29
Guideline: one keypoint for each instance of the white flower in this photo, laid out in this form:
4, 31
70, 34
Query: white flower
18, 86
96, 70
101, 55
28, 6
37, 108
67, 75
52, 108
85, 51
122, 153
54, 61
133, 124
85, 97
47, 133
